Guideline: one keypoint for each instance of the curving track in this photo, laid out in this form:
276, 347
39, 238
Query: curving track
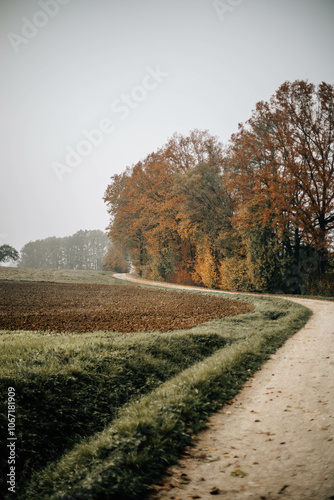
277, 436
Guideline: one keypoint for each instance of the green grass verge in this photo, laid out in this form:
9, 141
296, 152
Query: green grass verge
70, 387
147, 405
60, 276
312, 297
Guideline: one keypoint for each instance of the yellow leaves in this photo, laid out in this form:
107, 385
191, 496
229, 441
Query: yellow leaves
235, 274
205, 269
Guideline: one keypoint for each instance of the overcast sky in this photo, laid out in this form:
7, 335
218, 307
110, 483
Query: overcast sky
89, 87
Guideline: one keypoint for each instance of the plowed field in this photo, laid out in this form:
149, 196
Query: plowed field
65, 307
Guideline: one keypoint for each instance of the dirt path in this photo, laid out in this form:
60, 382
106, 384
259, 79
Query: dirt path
276, 440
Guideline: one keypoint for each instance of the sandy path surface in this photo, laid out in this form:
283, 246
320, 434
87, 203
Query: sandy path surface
276, 439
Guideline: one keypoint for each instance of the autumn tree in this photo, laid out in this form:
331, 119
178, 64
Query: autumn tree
255, 215
197, 182
281, 176
145, 202
205, 219
308, 148
116, 260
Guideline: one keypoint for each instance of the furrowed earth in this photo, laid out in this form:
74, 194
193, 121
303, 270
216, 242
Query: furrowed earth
68, 307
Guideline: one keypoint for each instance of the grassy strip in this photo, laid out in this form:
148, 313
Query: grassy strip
313, 297
117, 462
70, 386
59, 276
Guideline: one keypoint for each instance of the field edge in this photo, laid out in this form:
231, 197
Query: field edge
117, 462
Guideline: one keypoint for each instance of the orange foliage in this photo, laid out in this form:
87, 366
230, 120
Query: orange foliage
205, 269
238, 217
235, 275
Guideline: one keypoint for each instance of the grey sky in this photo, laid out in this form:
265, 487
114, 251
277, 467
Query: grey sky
140, 70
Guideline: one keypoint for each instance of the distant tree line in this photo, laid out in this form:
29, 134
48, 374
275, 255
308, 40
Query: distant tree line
82, 250
256, 214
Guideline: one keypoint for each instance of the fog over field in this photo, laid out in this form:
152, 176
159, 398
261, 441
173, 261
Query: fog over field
90, 87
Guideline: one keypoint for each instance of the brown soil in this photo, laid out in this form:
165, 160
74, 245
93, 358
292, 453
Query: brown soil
64, 307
